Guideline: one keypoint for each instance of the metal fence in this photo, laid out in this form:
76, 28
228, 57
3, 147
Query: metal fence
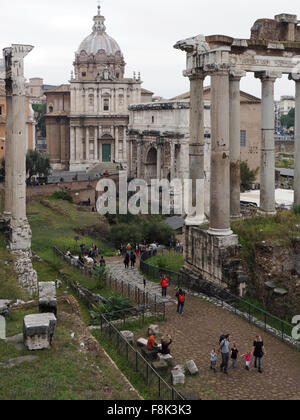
253, 314
141, 297
154, 381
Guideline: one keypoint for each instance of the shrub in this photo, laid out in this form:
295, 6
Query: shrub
115, 303
296, 208
63, 195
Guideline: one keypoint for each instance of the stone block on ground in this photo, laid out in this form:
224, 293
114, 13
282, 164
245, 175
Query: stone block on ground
4, 307
153, 330
191, 367
166, 358
38, 331
149, 355
178, 377
142, 342
128, 335
160, 366
47, 298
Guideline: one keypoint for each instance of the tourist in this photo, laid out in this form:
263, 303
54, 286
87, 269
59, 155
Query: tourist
181, 301
234, 355
213, 360
225, 350
154, 249
164, 284
68, 253
247, 357
258, 352
132, 259
102, 262
126, 261
81, 260
82, 248
151, 344
128, 249
137, 250
166, 341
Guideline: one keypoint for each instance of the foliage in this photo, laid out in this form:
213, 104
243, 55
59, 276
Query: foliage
37, 163
99, 273
63, 195
247, 175
115, 303
170, 261
288, 120
296, 209
39, 113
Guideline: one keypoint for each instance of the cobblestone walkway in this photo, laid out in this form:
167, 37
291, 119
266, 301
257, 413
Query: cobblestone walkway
134, 278
197, 332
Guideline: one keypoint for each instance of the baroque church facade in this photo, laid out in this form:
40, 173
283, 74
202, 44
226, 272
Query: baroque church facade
87, 120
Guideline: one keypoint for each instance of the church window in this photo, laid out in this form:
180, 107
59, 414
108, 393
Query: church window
243, 138
83, 74
153, 120
106, 104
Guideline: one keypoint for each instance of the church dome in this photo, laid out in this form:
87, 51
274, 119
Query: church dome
99, 40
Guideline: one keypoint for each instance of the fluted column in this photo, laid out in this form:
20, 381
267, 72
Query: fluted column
220, 160
117, 144
87, 143
235, 142
124, 144
172, 159
139, 156
96, 144
267, 167
196, 146
296, 78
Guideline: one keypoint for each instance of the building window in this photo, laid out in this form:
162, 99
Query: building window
106, 104
91, 100
50, 108
243, 138
83, 74
1, 112
153, 120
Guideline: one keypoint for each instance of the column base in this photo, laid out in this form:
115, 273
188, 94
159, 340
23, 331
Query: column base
236, 216
220, 232
195, 220
266, 213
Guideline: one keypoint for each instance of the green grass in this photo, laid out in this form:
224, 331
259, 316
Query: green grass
61, 373
169, 261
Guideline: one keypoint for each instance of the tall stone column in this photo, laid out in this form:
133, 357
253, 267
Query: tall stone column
87, 143
96, 144
220, 159
139, 156
159, 157
15, 159
129, 157
124, 144
296, 78
196, 154
117, 144
172, 160
72, 144
267, 167
235, 142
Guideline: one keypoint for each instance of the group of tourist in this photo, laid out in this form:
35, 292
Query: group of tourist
163, 348
88, 257
231, 352
175, 244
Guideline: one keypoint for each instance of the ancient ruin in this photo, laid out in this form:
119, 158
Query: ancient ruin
272, 50
15, 165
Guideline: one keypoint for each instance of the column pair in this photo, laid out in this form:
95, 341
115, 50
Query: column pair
267, 167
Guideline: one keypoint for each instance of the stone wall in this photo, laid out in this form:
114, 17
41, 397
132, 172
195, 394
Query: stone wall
215, 259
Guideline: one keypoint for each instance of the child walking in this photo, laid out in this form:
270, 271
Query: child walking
234, 355
213, 360
247, 357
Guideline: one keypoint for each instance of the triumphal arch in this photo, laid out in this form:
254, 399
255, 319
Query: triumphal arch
272, 50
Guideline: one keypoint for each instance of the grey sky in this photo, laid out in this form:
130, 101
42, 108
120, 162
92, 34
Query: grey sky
146, 31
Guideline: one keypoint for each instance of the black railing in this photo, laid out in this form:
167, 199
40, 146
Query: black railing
154, 381
140, 296
253, 314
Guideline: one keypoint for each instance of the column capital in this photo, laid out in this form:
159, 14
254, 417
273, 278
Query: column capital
235, 75
195, 74
268, 75
217, 68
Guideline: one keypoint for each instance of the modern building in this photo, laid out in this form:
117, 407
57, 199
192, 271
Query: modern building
87, 120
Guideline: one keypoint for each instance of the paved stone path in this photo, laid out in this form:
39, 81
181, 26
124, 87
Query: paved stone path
198, 331
134, 278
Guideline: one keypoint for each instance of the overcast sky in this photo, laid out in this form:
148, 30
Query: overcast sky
146, 31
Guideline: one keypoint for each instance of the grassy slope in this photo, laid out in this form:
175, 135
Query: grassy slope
169, 261
63, 372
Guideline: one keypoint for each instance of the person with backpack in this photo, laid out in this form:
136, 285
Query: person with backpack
258, 352
126, 261
132, 259
181, 301
225, 350
164, 284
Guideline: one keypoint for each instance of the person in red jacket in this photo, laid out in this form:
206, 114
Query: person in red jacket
164, 284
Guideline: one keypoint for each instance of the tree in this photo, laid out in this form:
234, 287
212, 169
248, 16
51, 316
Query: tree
288, 120
37, 164
39, 114
248, 177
